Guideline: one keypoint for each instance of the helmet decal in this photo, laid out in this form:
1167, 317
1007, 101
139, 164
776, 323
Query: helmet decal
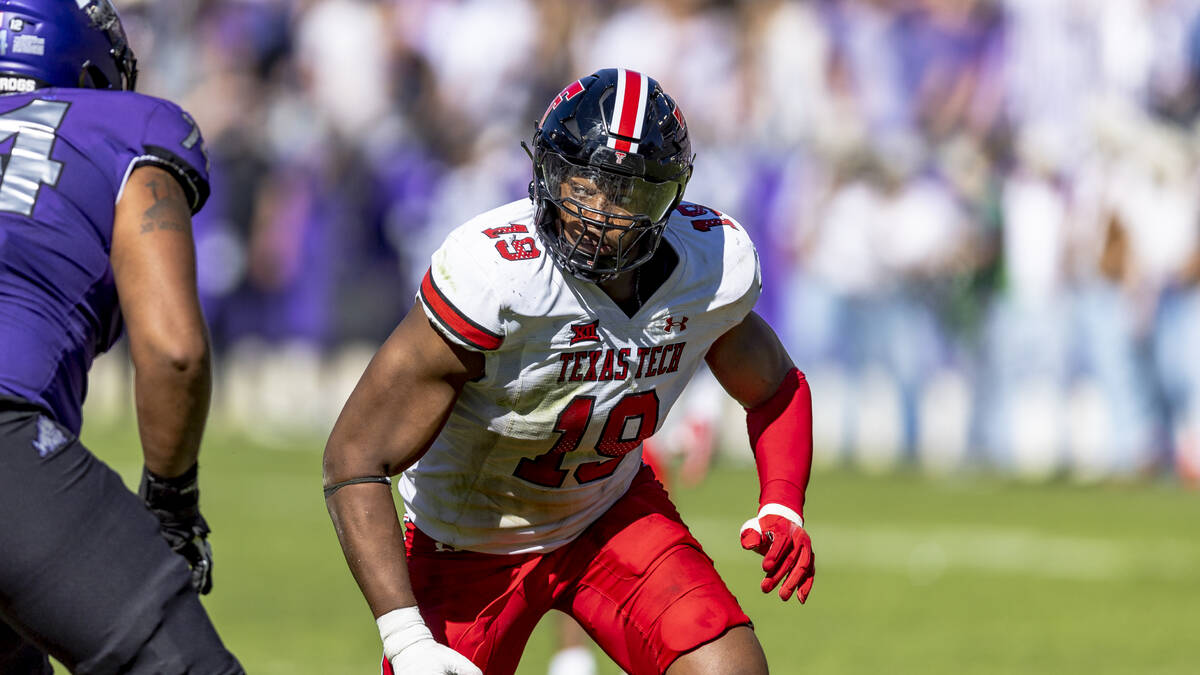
571, 91
629, 111
678, 115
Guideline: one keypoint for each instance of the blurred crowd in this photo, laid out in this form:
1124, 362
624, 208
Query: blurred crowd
977, 219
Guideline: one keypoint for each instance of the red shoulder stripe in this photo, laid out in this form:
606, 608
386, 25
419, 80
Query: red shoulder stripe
454, 320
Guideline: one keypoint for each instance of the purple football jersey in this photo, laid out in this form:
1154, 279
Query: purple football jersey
66, 156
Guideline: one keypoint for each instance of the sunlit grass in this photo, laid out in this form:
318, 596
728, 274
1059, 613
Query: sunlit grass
965, 575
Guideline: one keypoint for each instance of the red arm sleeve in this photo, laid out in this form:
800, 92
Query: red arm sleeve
781, 437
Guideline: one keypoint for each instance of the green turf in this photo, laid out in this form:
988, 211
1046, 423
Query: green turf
964, 575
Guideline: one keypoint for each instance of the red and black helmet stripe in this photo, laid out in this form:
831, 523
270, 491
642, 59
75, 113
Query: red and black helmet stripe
455, 321
629, 110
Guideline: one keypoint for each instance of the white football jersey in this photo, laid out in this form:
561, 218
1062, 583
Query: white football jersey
550, 436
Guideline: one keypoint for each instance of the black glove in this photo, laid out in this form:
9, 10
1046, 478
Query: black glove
176, 504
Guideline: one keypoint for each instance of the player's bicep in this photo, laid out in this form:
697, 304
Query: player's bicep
154, 264
749, 361
401, 401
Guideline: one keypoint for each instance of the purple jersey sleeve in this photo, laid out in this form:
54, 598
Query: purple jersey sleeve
173, 141
65, 155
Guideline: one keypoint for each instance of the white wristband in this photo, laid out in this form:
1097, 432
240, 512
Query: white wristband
781, 511
400, 629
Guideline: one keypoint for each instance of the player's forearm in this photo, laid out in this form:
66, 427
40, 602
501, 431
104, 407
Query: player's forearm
172, 388
780, 432
365, 520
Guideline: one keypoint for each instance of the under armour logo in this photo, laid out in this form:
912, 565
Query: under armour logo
50, 438
671, 324
585, 332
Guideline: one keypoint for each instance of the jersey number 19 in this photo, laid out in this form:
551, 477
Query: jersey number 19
615, 441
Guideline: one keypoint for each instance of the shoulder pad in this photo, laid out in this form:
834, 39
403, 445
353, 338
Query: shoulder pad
718, 242
474, 274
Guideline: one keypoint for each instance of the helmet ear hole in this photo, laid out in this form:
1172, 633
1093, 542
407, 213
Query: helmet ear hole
92, 77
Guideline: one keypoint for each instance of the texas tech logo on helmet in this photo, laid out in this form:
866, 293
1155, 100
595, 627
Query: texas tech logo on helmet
568, 93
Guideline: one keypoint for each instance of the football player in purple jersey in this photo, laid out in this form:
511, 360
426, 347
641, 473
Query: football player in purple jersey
97, 189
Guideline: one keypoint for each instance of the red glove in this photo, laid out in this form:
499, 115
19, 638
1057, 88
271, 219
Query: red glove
777, 533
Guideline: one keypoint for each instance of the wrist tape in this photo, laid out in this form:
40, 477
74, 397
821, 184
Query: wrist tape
400, 629
178, 496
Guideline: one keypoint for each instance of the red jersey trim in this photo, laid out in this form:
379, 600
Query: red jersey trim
455, 321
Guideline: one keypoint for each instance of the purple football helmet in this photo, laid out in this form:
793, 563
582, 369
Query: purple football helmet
63, 43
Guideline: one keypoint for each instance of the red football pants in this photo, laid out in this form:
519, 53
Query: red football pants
636, 580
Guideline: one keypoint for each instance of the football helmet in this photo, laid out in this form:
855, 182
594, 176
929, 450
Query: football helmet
611, 158
63, 43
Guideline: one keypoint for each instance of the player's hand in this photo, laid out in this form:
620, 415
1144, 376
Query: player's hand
777, 533
176, 504
409, 647
430, 657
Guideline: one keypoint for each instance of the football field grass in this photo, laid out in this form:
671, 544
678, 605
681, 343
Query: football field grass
915, 575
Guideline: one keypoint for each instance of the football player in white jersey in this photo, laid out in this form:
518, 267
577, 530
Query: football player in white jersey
549, 339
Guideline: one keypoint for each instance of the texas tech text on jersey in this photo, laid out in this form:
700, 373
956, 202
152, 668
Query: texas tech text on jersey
564, 425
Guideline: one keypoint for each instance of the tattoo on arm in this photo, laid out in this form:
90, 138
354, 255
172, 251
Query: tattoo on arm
169, 210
